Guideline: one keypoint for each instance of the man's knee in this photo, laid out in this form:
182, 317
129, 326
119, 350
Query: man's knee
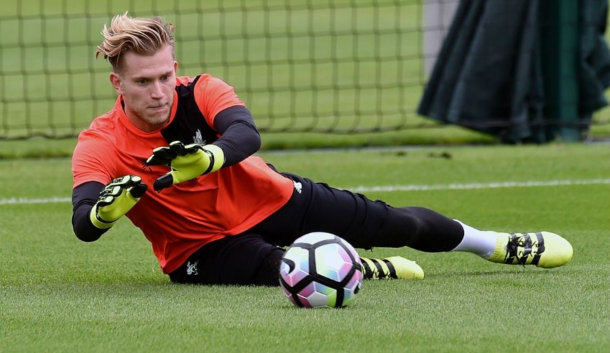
268, 272
244, 259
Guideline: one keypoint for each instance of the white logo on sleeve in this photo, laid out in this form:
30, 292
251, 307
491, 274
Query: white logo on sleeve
191, 268
297, 186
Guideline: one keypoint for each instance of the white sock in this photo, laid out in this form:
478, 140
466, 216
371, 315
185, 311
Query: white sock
482, 243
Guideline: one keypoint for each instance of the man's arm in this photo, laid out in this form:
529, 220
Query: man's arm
84, 198
228, 115
96, 208
239, 137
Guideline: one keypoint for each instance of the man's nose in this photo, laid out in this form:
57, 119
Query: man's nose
157, 91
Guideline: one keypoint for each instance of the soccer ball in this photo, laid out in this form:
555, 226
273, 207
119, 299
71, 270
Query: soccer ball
321, 270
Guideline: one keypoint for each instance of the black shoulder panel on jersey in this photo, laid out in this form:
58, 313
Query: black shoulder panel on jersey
189, 124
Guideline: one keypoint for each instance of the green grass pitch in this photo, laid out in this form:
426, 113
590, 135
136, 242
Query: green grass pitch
60, 295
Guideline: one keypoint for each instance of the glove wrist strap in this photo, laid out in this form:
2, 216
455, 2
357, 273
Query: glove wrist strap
217, 157
97, 221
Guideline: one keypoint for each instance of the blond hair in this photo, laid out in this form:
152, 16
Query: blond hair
143, 36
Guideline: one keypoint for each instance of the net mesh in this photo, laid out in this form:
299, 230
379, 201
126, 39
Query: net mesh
338, 66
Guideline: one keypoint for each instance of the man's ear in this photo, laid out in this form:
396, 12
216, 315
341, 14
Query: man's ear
117, 83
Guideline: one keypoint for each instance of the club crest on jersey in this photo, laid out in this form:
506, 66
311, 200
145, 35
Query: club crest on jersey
191, 268
198, 138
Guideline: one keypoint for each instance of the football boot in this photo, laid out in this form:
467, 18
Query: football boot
542, 249
394, 267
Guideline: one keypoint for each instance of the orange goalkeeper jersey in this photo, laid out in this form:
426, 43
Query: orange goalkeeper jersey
181, 219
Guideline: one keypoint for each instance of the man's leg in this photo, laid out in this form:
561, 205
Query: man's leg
366, 224
432, 232
320, 208
243, 259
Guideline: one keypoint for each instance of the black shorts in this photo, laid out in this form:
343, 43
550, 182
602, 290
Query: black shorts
316, 207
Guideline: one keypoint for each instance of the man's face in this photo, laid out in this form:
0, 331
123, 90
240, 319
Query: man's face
147, 84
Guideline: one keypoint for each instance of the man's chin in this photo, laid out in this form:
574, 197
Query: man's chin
158, 120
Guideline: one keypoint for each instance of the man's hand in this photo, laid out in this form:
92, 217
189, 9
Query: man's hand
116, 199
187, 162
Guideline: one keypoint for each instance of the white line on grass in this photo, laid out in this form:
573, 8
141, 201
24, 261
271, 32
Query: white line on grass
495, 185
389, 188
27, 200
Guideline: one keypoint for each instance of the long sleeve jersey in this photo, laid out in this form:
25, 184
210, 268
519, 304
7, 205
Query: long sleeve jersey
181, 219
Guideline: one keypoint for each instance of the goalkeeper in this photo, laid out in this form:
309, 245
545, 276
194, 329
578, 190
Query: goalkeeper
175, 156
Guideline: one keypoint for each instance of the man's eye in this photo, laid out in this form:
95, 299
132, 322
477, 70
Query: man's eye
142, 82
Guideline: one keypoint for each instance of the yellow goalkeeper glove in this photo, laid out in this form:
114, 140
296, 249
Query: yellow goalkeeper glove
116, 199
187, 162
